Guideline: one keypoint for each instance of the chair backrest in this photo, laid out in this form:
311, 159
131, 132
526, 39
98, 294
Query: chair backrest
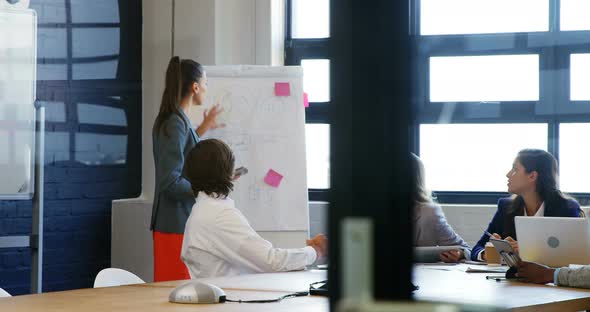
3, 293
115, 277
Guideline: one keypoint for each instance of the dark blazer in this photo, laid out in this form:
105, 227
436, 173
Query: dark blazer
497, 225
173, 197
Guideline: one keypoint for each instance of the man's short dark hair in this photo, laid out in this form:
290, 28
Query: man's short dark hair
209, 167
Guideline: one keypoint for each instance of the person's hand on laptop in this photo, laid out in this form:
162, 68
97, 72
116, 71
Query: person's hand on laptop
320, 244
530, 272
451, 256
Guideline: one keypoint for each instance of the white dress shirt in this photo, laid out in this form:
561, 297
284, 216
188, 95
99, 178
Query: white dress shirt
219, 241
539, 213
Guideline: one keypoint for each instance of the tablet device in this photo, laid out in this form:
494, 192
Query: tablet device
506, 251
429, 254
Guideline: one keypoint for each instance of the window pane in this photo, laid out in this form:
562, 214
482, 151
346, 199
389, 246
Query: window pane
574, 166
316, 79
579, 77
95, 42
445, 17
575, 15
310, 19
103, 11
101, 115
484, 78
97, 149
317, 142
475, 157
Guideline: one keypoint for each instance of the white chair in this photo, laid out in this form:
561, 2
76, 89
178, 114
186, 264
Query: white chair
115, 277
3, 293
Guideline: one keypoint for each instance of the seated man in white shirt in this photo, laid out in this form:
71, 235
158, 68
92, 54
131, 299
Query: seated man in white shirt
218, 240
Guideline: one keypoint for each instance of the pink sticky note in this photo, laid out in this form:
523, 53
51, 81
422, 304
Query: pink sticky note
282, 89
305, 100
273, 178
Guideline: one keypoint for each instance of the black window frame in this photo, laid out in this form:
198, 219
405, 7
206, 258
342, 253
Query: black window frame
297, 49
554, 107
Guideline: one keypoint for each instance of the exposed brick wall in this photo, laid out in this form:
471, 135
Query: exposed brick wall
89, 78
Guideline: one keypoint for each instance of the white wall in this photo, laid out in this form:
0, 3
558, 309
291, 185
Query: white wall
156, 51
195, 30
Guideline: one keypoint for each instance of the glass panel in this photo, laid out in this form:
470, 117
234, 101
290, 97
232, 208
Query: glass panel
52, 43
103, 11
57, 147
575, 15
54, 111
579, 77
316, 79
475, 157
445, 17
317, 143
96, 149
52, 72
17, 95
95, 70
573, 157
49, 11
484, 78
4, 152
101, 115
310, 19
95, 42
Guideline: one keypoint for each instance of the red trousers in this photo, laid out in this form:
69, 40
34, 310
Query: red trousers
167, 263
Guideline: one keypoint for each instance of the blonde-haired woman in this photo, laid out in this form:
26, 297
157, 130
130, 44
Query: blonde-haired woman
430, 225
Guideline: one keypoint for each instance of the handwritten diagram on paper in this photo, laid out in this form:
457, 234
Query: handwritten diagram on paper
265, 131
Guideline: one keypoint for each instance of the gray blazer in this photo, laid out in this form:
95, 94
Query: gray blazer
173, 197
432, 229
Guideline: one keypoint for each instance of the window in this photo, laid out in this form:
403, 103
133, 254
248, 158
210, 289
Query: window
495, 77
484, 78
476, 156
317, 144
447, 17
79, 45
575, 15
310, 19
580, 77
316, 79
573, 154
307, 45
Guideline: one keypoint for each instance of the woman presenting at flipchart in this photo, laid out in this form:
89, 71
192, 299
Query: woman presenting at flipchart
173, 137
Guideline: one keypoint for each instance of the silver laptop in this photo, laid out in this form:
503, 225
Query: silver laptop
553, 241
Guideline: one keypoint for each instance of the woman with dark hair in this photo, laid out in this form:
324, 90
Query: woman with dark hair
218, 240
430, 225
533, 180
173, 137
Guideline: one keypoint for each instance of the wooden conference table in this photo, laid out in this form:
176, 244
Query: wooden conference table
437, 283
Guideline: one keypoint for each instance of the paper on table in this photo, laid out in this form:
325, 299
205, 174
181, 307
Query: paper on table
487, 269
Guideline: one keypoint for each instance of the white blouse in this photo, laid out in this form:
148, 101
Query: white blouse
219, 241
